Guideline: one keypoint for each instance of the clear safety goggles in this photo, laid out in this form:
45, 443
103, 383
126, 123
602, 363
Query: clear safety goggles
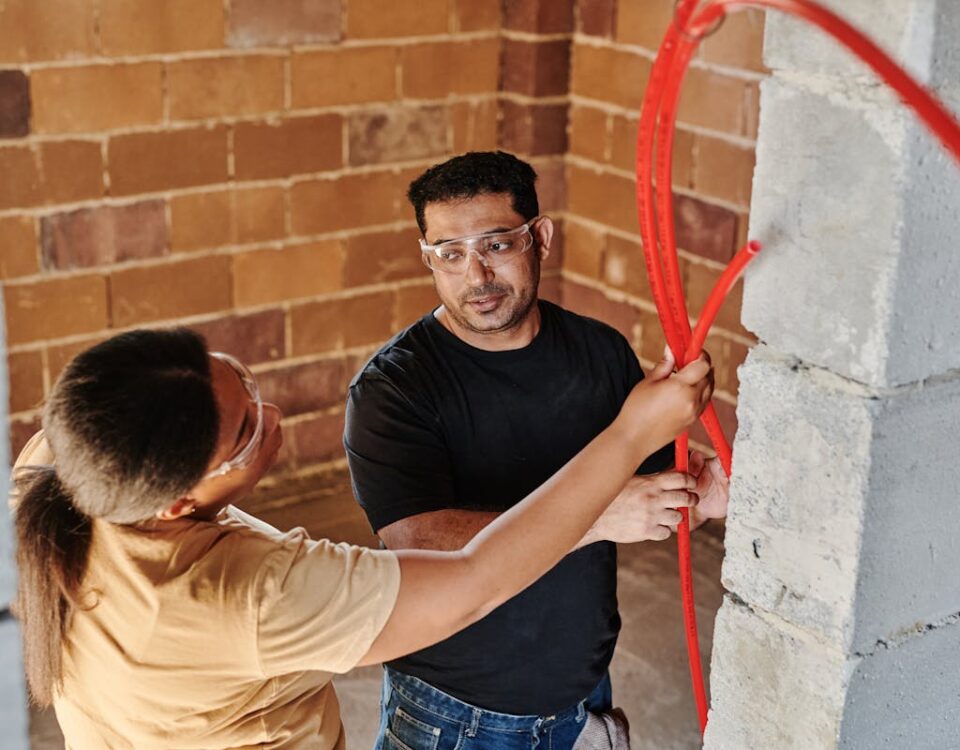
246, 455
492, 249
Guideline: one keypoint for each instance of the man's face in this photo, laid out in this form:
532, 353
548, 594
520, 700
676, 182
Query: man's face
486, 300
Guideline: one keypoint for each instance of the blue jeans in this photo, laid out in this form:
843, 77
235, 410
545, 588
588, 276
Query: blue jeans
416, 716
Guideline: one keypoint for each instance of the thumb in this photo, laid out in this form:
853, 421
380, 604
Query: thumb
664, 367
695, 463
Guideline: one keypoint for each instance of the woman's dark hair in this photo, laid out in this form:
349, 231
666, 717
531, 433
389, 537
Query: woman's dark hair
132, 424
476, 173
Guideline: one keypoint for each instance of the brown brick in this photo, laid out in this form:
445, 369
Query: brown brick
739, 43
260, 214
536, 68
225, 86
14, 104
398, 134
583, 249
22, 172
55, 308
652, 340
200, 220
378, 257
624, 148
551, 184
72, 170
145, 162
413, 302
299, 389
597, 17
103, 235
96, 97
354, 75
607, 198
317, 439
595, 304
26, 380
145, 27
477, 15
254, 338
295, 145
261, 23
724, 170
341, 323
172, 290
588, 133
475, 126
698, 282
31, 32
18, 247
272, 275
624, 267
643, 22
593, 75
716, 101
539, 16
21, 430
371, 19
350, 201
705, 229
727, 413
551, 289
437, 69
534, 129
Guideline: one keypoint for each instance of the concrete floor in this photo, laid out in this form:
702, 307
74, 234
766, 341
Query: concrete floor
649, 671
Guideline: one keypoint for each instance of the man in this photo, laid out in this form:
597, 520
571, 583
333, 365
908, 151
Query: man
459, 417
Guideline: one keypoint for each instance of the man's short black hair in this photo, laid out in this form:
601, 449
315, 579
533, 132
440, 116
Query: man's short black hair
476, 173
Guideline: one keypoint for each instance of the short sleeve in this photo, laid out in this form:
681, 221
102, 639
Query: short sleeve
35, 453
399, 462
322, 605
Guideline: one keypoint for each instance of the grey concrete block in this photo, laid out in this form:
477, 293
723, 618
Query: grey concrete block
843, 505
861, 274
13, 704
772, 687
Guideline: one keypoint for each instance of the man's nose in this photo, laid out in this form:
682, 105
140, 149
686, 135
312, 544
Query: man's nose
477, 272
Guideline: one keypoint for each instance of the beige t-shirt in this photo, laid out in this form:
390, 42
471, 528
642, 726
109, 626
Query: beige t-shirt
217, 635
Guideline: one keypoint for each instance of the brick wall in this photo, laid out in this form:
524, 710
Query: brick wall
240, 167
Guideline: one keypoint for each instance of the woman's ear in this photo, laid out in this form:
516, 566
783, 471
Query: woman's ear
543, 234
183, 506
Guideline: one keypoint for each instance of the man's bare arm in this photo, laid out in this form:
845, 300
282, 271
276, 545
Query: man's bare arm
443, 530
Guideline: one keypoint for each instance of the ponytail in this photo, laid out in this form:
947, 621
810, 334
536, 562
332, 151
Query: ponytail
53, 543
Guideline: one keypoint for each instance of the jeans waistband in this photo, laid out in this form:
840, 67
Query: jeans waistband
447, 707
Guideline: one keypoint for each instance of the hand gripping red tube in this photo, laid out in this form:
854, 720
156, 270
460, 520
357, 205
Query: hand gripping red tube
655, 209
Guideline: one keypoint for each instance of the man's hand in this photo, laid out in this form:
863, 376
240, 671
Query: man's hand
713, 488
646, 509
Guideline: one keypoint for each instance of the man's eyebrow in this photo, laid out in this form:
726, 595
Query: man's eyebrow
495, 230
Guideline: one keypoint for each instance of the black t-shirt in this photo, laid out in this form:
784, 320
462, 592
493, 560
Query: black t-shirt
433, 424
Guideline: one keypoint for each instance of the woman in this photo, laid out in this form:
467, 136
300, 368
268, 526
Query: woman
156, 615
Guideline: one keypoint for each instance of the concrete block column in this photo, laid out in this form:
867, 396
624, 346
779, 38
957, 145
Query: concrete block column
842, 620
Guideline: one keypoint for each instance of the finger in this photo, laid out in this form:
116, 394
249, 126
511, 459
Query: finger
676, 480
679, 499
696, 463
716, 470
670, 518
695, 372
660, 534
664, 367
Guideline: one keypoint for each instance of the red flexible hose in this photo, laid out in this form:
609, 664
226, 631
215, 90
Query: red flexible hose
658, 120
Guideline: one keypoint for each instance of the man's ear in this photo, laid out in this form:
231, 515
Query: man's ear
183, 506
543, 232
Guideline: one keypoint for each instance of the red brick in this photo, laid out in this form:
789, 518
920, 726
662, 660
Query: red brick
145, 27
96, 97
705, 229
437, 69
341, 323
593, 75
55, 308
378, 257
274, 275
597, 17
350, 201
551, 184
32, 33
477, 15
413, 302
103, 235
168, 291
317, 439
261, 23
536, 68
225, 86
201, 220
624, 267
588, 133
146, 162
539, 16
368, 19
21, 430
260, 214
19, 256
716, 101
295, 145
739, 43
303, 388
723, 170
352, 75
534, 129
475, 126
253, 339
50, 172
14, 104
398, 134
607, 198
643, 22
727, 413
583, 249
26, 380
